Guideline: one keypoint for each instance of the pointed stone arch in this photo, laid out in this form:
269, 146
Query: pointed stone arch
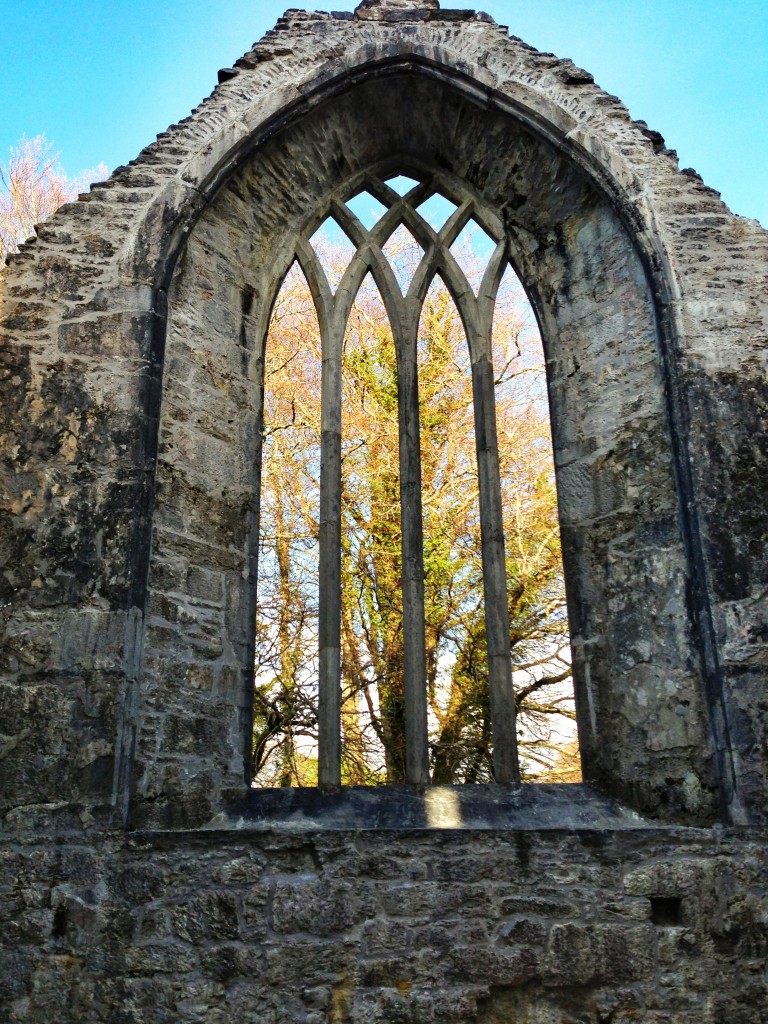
597, 220
590, 286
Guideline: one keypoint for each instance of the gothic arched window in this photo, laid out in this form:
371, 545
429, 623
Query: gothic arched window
412, 249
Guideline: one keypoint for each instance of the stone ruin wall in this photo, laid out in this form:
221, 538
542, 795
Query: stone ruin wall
654, 920
434, 926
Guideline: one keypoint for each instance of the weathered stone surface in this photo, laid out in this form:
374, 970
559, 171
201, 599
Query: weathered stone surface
166, 928
383, 9
104, 321
129, 410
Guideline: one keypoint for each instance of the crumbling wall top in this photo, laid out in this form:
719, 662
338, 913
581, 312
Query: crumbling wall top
374, 9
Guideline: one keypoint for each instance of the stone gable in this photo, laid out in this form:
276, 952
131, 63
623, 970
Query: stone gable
140, 881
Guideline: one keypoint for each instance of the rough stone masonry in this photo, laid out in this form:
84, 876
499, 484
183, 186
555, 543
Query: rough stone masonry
141, 880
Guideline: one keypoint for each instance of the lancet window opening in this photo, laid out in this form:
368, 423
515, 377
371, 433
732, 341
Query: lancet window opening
403, 292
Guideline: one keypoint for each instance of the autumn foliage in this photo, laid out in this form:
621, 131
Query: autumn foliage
373, 728
32, 187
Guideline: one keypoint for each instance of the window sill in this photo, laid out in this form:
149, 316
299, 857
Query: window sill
470, 807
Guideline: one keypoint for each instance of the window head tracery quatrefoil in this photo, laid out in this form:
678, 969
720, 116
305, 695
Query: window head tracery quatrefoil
409, 287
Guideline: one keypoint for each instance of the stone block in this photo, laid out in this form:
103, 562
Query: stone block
314, 908
212, 914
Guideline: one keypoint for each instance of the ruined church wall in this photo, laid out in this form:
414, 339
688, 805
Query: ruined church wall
83, 322
101, 924
429, 927
625, 558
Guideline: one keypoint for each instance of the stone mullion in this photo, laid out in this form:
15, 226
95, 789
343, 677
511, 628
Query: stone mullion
329, 598
329, 704
502, 694
412, 529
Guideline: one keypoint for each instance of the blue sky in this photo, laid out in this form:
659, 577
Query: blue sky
101, 78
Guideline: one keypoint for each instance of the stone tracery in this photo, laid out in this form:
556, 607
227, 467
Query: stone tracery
404, 306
